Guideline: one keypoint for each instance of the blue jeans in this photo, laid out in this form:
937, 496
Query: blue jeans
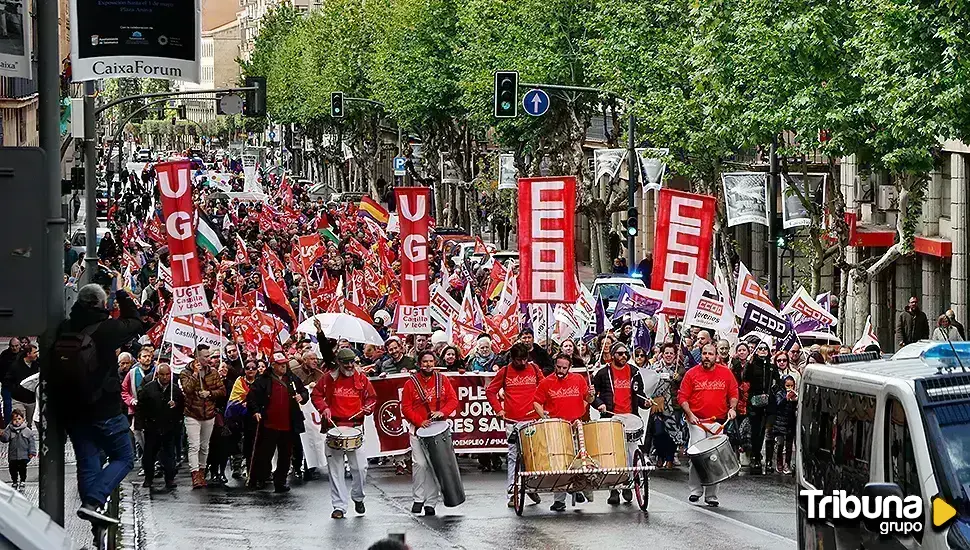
110, 438
7, 405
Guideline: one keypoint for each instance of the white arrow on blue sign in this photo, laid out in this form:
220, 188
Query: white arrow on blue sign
535, 102
400, 166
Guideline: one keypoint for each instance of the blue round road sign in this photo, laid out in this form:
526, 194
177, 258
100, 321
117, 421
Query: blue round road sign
535, 102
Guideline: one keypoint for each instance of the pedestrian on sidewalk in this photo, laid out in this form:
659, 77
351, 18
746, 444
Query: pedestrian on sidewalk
22, 368
21, 448
274, 400
202, 387
7, 357
85, 393
159, 409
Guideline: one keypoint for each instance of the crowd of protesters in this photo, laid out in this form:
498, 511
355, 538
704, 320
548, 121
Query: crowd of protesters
229, 409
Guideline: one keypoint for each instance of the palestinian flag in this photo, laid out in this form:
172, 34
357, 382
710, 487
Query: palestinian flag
327, 234
208, 235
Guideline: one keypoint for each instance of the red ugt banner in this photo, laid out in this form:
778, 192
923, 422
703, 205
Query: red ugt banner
682, 248
175, 184
547, 210
413, 209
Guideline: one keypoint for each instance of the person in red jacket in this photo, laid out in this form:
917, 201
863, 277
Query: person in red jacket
344, 396
427, 397
517, 383
708, 396
564, 395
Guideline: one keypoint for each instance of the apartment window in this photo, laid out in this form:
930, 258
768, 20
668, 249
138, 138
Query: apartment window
945, 196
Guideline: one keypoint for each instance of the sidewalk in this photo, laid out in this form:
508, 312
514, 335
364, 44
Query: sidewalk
79, 529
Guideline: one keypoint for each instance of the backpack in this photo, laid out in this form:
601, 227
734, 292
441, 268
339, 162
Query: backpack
74, 366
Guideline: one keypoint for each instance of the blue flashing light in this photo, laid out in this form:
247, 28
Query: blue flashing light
941, 353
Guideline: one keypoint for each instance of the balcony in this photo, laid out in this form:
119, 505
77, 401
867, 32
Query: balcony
17, 88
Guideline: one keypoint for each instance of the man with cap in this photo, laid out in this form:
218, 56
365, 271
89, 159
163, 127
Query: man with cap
274, 400
614, 396
381, 321
343, 397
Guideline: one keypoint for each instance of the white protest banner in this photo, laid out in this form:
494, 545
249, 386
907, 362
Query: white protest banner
803, 303
192, 331
706, 307
443, 307
749, 292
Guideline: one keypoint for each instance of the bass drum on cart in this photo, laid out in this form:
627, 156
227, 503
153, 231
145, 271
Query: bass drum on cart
546, 445
436, 441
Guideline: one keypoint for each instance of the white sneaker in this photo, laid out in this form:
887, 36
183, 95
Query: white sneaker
744, 459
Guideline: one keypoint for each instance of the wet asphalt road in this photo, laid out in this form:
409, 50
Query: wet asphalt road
755, 512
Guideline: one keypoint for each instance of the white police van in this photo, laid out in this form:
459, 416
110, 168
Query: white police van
886, 427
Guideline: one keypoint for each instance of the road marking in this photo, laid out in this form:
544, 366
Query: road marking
731, 520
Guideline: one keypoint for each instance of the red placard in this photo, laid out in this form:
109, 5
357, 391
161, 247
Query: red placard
547, 257
682, 249
175, 184
414, 213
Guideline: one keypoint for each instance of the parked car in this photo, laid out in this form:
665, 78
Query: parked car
607, 286
144, 155
79, 239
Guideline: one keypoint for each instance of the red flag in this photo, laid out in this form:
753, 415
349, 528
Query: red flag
275, 294
479, 246
156, 332
175, 186
496, 277
547, 268
308, 249
357, 311
242, 255
464, 337
503, 330
685, 228
272, 262
286, 191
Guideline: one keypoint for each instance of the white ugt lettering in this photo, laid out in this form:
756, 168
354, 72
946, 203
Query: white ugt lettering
184, 260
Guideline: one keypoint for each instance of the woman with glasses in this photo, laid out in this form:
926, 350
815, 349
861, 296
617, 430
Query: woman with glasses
761, 377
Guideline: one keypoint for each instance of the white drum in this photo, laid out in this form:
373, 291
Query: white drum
632, 427
345, 438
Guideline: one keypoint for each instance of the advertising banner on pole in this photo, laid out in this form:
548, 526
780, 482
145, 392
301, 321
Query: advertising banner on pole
413, 208
547, 268
136, 40
175, 184
506, 171
16, 44
682, 249
746, 197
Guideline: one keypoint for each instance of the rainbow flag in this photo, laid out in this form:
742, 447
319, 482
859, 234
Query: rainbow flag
369, 208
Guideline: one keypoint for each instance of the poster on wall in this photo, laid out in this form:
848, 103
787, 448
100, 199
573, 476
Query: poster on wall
746, 197
15, 41
136, 39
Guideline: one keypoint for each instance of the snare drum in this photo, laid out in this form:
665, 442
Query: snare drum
632, 427
345, 438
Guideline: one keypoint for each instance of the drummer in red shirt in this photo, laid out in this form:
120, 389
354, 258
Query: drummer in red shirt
517, 383
427, 397
343, 396
708, 396
564, 395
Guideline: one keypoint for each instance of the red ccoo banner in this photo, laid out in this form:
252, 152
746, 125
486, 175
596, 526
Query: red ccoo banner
547, 210
413, 209
175, 184
682, 249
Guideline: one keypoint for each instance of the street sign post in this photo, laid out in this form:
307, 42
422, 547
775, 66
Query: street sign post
535, 102
400, 166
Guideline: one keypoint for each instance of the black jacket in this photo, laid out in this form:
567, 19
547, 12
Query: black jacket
603, 384
259, 394
20, 370
109, 336
153, 412
762, 375
7, 357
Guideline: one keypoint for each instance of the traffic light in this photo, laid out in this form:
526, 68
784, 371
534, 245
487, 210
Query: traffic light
337, 104
785, 239
506, 94
181, 111
632, 224
255, 104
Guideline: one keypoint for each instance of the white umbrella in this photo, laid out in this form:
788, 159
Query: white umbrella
342, 325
